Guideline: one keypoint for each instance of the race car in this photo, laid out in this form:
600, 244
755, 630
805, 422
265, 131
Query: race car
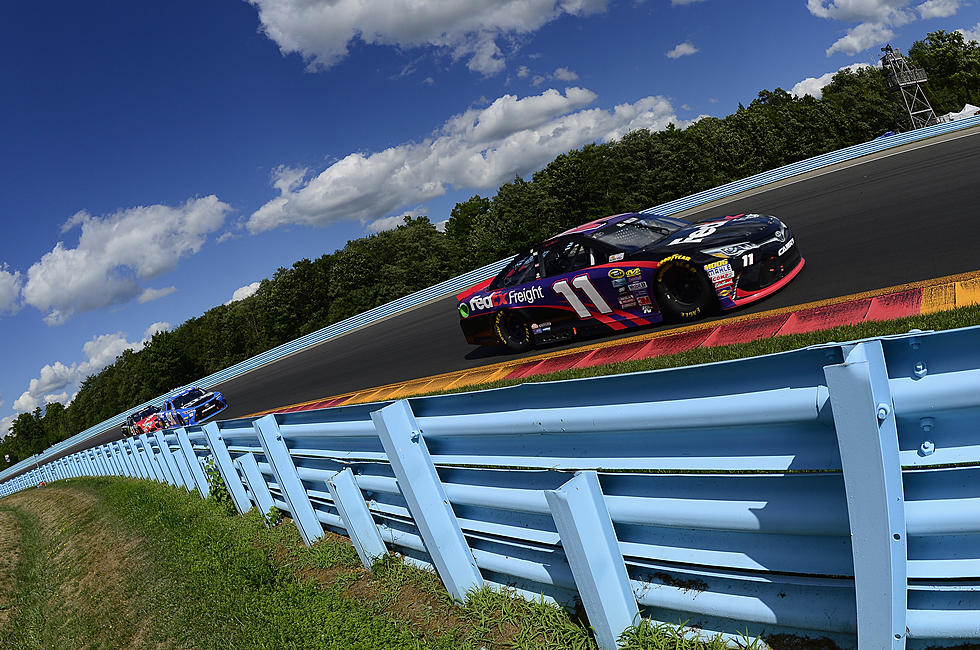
629, 270
144, 420
192, 406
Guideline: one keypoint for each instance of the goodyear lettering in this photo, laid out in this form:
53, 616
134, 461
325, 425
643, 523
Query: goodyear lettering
682, 258
689, 314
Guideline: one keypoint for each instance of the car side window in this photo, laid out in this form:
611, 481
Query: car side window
565, 257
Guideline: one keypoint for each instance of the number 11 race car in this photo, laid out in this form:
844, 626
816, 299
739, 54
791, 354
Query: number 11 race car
629, 270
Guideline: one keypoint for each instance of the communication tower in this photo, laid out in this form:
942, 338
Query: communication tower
902, 78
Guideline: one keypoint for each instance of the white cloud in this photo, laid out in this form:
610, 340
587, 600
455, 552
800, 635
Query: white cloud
564, 74
116, 251
676, 3
479, 149
939, 8
388, 223
875, 19
5, 424
241, 293
322, 30
155, 328
150, 295
55, 380
10, 284
971, 34
523, 72
813, 86
860, 38
682, 49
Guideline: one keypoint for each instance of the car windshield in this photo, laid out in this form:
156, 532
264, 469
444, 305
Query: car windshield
635, 233
187, 397
142, 413
523, 269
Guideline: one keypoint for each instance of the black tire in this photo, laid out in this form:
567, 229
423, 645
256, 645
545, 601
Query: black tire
683, 291
513, 330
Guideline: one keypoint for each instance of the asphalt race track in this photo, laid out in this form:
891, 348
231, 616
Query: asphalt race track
895, 219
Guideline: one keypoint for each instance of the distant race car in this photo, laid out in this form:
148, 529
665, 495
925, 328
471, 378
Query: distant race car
629, 270
192, 406
144, 420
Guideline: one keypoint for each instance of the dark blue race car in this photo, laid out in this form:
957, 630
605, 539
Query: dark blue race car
192, 406
629, 270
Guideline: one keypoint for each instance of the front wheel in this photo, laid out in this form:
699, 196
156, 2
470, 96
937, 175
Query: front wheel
683, 291
513, 331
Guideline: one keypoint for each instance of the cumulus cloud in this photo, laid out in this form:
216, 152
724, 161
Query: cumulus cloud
564, 74
321, 31
479, 149
682, 49
241, 293
813, 86
114, 252
939, 8
55, 380
5, 424
149, 295
155, 328
875, 19
10, 283
971, 34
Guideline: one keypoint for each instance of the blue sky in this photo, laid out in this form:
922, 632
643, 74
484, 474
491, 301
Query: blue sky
160, 157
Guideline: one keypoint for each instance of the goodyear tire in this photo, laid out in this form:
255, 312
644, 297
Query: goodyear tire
683, 291
513, 330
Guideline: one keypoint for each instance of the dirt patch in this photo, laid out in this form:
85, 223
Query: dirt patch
9, 557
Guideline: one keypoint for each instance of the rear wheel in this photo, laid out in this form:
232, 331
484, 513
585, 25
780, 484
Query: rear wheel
513, 330
683, 291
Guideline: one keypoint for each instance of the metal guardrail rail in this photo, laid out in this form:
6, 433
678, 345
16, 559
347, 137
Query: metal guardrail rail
832, 491
461, 282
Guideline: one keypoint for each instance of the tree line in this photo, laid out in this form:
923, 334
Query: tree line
642, 169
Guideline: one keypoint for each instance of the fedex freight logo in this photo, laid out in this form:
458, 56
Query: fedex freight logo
501, 299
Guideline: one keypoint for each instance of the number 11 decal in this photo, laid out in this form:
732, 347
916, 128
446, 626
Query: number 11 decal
583, 284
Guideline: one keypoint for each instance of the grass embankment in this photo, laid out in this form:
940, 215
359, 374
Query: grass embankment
119, 563
960, 317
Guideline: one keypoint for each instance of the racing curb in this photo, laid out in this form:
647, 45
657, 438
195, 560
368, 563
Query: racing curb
925, 297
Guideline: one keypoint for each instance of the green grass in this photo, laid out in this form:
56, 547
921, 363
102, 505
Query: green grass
960, 317
191, 575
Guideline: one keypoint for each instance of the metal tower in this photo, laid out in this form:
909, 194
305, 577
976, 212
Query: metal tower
900, 77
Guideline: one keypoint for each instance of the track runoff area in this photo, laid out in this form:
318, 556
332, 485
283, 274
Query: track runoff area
912, 299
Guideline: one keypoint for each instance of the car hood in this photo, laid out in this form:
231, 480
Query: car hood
753, 228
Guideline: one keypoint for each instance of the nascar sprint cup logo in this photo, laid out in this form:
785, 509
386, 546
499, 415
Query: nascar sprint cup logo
501, 299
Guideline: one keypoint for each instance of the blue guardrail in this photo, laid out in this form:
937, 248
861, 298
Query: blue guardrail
454, 285
828, 492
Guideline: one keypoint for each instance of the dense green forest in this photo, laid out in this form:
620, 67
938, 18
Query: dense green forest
640, 170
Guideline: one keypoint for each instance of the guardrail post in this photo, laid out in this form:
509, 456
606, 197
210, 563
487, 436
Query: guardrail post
200, 480
181, 463
107, 469
867, 435
124, 459
289, 482
257, 486
156, 472
357, 517
114, 462
137, 462
225, 467
169, 462
419, 483
592, 549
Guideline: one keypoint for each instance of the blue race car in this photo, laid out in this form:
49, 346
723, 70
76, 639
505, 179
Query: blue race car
192, 406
